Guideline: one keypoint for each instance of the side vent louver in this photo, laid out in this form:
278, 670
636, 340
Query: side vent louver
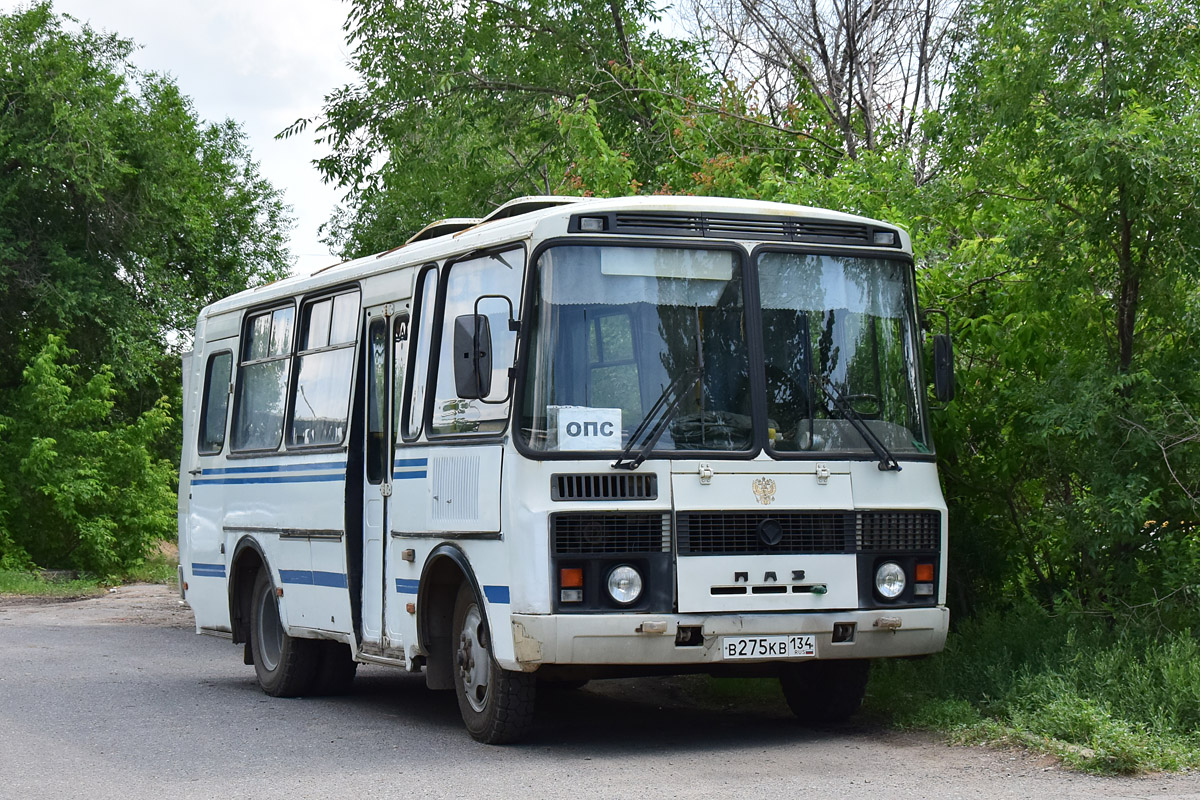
604, 487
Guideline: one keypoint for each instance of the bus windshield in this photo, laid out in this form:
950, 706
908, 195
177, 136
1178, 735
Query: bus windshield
839, 348
639, 346
629, 338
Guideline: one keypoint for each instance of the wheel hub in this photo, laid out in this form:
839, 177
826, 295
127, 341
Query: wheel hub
473, 660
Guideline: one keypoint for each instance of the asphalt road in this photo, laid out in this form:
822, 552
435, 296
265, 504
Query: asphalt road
117, 698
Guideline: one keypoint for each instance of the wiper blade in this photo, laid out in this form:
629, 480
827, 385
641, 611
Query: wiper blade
887, 461
668, 413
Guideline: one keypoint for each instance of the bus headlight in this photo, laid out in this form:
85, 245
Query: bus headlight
890, 580
624, 584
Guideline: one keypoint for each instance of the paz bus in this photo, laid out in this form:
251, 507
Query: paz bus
574, 439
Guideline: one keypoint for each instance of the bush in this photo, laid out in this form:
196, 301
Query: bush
85, 489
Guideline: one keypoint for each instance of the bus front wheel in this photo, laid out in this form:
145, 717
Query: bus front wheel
285, 666
496, 704
821, 692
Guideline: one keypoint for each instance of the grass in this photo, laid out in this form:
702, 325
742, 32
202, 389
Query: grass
1101, 701
36, 585
158, 567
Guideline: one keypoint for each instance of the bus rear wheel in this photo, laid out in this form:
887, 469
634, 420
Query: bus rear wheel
496, 704
285, 666
823, 692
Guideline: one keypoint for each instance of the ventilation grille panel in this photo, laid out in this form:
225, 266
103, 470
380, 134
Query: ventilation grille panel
604, 487
733, 226
898, 531
809, 532
586, 534
728, 533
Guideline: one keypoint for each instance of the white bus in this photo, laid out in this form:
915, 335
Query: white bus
576, 439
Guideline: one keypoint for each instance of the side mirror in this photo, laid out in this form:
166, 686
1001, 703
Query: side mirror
943, 367
472, 356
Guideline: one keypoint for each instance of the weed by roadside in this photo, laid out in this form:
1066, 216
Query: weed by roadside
35, 584
1102, 701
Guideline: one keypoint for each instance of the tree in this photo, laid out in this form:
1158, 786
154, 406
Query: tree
868, 71
457, 106
1074, 134
120, 215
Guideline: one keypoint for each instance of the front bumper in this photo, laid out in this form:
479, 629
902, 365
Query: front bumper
650, 639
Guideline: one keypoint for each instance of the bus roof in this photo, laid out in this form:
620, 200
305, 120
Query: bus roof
514, 221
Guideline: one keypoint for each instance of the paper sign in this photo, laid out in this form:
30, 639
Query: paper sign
583, 428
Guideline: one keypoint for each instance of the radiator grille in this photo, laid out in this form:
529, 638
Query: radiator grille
604, 487
808, 532
718, 533
898, 531
584, 534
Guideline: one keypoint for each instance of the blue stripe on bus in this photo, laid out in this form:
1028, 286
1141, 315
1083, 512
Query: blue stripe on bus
304, 577
208, 570
402, 476
268, 479
411, 462
276, 468
496, 594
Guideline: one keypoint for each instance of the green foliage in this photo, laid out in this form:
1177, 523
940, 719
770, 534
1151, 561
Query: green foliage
458, 107
89, 491
1071, 458
121, 213
1104, 700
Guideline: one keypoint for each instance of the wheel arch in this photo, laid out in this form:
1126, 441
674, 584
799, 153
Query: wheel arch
445, 570
248, 559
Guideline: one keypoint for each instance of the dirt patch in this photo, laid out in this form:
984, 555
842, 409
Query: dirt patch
138, 603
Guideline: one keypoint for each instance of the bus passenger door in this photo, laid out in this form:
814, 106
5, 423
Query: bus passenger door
387, 336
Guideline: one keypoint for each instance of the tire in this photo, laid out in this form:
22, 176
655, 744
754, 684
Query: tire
496, 704
566, 685
285, 666
337, 669
823, 692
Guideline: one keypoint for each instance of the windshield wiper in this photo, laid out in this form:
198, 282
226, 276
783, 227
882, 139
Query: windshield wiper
887, 461
676, 394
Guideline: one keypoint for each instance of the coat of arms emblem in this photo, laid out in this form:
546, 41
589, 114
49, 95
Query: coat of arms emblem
764, 490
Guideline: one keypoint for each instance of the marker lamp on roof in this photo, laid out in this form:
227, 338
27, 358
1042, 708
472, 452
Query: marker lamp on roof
885, 238
592, 224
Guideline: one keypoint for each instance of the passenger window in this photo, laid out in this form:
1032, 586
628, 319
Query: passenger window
215, 408
262, 388
423, 322
491, 284
324, 371
399, 365
377, 454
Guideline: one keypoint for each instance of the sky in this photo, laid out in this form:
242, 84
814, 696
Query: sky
263, 63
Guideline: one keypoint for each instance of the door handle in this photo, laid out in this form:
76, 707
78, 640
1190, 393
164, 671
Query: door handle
195, 471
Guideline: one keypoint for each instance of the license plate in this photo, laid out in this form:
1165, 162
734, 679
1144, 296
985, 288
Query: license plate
800, 645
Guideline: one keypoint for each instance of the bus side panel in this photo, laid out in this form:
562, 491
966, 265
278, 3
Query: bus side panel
448, 494
294, 509
201, 559
204, 565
